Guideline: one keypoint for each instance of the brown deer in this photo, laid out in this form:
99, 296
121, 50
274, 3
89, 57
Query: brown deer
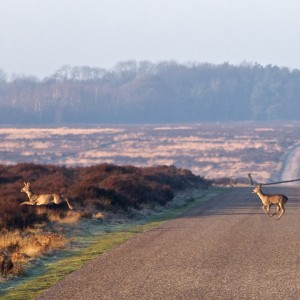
268, 200
42, 199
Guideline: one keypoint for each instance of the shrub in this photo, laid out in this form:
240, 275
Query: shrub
104, 187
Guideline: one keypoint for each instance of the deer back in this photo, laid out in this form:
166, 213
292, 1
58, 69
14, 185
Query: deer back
44, 199
272, 198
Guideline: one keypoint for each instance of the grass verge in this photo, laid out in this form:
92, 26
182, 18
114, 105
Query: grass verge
55, 271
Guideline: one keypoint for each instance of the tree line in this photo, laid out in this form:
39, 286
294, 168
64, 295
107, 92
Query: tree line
146, 92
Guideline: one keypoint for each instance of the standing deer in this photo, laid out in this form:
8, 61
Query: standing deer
42, 199
268, 200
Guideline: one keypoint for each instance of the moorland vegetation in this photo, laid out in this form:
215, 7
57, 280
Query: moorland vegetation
104, 187
94, 191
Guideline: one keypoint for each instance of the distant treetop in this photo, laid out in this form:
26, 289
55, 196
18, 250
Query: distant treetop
146, 92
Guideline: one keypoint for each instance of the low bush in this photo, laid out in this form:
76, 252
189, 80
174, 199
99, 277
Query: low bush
103, 187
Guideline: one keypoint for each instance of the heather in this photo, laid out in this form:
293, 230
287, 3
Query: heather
91, 190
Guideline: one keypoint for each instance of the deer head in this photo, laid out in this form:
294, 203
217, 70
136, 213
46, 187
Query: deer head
26, 187
257, 189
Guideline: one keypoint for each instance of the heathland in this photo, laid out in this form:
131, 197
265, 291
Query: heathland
116, 173
210, 150
103, 193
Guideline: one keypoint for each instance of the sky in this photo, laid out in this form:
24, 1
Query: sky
37, 37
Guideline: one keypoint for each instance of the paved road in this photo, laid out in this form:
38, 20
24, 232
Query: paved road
224, 249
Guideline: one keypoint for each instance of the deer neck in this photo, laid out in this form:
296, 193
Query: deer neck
261, 195
29, 193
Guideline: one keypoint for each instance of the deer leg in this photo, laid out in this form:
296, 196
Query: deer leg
266, 209
63, 199
282, 210
277, 211
27, 203
69, 205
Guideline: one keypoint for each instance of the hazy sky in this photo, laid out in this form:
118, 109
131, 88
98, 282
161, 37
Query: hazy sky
39, 36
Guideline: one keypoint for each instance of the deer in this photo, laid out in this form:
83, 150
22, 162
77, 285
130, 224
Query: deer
42, 199
268, 200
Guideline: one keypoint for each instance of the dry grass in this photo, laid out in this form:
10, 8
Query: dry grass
59, 216
69, 217
99, 215
208, 150
25, 245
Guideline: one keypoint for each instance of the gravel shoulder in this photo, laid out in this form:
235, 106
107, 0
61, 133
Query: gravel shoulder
226, 248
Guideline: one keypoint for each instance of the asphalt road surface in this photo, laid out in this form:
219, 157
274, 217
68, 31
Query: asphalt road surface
226, 248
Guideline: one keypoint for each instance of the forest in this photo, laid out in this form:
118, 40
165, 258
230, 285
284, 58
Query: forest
146, 92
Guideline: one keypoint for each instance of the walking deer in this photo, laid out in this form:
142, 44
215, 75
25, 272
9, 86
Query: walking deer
268, 200
42, 199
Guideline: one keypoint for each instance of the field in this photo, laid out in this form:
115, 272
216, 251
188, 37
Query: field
211, 150
112, 173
